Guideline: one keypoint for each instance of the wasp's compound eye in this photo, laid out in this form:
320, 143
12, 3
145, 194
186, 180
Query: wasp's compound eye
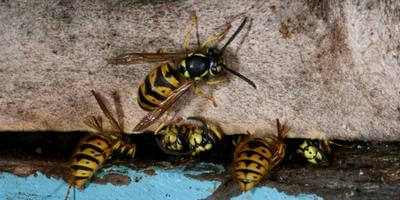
215, 70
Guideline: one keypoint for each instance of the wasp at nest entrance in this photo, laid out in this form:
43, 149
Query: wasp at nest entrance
359, 165
184, 139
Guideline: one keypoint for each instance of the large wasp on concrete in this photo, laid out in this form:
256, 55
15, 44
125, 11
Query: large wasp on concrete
165, 84
95, 149
254, 157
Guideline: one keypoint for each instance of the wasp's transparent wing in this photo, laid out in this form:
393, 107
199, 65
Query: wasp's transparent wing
152, 116
103, 103
136, 58
94, 123
119, 110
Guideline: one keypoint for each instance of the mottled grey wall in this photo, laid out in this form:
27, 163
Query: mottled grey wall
331, 66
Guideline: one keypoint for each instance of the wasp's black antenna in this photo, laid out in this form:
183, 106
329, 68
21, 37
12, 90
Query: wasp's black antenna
234, 35
226, 44
240, 76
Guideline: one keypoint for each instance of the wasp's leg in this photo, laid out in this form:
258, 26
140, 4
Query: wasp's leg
218, 80
217, 37
278, 155
188, 34
199, 92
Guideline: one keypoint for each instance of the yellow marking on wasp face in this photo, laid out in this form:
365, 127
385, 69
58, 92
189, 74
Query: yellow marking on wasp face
197, 78
183, 63
199, 149
211, 72
200, 54
310, 152
313, 161
178, 147
303, 145
171, 138
186, 74
219, 68
204, 74
195, 137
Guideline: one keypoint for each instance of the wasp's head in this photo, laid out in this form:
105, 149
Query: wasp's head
215, 62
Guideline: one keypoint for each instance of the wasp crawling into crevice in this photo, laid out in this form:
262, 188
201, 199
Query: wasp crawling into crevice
165, 83
255, 156
317, 152
94, 150
187, 138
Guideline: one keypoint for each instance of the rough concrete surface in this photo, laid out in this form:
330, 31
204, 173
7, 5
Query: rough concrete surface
331, 66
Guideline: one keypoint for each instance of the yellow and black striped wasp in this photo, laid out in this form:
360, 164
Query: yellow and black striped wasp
95, 149
165, 84
317, 152
188, 138
255, 156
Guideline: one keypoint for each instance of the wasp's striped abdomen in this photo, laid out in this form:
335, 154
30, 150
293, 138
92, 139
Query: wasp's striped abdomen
91, 153
157, 86
253, 160
254, 157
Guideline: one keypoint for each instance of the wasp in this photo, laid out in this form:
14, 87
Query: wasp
166, 83
187, 139
95, 149
255, 156
317, 152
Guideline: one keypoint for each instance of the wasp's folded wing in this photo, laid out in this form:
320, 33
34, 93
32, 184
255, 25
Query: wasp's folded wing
136, 58
152, 116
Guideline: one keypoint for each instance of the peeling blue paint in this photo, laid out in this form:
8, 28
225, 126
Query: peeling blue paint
273, 194
165, 184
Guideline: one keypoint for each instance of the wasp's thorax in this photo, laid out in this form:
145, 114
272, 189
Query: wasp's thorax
198, 65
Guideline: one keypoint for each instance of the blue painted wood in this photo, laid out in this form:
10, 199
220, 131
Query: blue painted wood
165, 184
